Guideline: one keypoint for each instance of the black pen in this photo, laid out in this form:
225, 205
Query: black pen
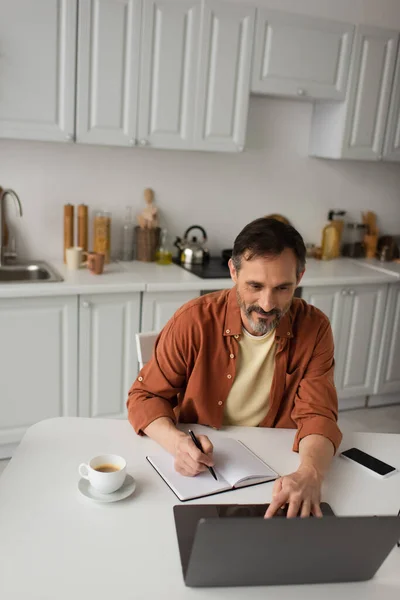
198, 445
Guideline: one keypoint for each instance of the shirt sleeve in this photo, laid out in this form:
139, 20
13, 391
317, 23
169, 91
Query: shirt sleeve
316, 405
154, 393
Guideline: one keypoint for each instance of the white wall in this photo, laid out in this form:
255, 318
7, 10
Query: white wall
220, 191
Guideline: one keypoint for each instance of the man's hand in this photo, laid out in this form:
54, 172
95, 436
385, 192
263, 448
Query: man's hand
301, 490
189, 460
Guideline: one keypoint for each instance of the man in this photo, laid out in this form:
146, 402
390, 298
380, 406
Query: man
253, 355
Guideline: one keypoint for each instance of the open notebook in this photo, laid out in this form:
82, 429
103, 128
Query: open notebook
235, 466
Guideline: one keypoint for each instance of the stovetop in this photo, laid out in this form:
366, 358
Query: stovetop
213, 269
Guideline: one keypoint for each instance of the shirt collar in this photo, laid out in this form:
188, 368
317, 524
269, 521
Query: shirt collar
233, 319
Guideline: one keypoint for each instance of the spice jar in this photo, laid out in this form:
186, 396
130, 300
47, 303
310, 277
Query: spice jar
102, 234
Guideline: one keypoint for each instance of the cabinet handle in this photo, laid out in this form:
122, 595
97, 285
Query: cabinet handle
69, 137
132, 142
240, 148
143, 142
85, 304
344, 292
301, 92
351, 292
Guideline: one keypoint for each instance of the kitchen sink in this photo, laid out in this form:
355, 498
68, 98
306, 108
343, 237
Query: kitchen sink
32, 272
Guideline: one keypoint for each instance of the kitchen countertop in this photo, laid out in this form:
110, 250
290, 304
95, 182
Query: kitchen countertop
139, 277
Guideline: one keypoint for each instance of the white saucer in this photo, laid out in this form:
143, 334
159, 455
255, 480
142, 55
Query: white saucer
126, 490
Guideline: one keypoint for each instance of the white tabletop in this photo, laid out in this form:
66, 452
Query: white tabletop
56, 544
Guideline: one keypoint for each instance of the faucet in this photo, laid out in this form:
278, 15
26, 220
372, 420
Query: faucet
3, 194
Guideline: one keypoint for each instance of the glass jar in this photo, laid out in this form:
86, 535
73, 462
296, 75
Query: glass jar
102, 234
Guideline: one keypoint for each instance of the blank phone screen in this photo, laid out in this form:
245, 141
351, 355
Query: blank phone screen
368, 461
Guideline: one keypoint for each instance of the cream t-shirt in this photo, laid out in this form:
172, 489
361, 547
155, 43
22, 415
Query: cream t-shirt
248, 400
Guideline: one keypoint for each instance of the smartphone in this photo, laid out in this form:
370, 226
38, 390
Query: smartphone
372, 464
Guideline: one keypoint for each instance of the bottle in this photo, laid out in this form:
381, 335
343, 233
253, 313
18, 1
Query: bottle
330, 240
164, 254
102, 234
128, 228
68, 227
83, 227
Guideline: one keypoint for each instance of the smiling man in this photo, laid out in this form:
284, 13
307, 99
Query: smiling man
251, 356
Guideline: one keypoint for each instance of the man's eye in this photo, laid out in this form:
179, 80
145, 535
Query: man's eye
283, 288
255, 286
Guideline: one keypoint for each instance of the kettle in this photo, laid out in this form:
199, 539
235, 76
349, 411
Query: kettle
192, 252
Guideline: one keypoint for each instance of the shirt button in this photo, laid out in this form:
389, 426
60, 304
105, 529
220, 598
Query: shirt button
229, 376
236, 337
227, 331
288, 332
220, 403
231, 356
140, 378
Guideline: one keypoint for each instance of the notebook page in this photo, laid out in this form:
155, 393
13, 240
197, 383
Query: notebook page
237, 463
187, 488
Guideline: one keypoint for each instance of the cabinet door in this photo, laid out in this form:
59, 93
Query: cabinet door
224, 76
37, 69
371, 79
296, 55
391, 151
329, 301
361, 331
159, 307
107, 352
168, 73
388, 377
38, 358
108, 71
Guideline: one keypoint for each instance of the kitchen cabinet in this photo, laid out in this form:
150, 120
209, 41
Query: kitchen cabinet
388, 377
391, 151
356, 314
107, 352
301, 56
37, 69
159, 307
38, 362
226, 45
108, 71
168, 73
356, 128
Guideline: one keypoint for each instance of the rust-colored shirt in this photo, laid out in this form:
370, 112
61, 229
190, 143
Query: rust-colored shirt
193, 367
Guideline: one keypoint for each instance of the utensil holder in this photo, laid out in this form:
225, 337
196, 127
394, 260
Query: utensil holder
146, 243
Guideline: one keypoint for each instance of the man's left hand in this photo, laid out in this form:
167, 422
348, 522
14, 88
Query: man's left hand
300, 490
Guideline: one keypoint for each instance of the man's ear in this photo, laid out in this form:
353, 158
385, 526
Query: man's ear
300, 277
232, 270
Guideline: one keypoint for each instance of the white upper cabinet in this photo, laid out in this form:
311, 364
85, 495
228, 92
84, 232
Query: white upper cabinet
169, 53
356, 128
108, 71
224, 76
391, 151
37, 69
296, 55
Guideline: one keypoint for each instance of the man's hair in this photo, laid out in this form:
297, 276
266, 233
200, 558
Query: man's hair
268, 237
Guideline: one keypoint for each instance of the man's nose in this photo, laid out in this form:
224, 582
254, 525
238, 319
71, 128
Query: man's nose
267, 301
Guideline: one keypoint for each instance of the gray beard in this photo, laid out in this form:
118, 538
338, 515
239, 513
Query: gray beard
261, 326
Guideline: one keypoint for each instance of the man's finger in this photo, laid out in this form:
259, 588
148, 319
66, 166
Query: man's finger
316, 510
305, 509
198, 456
294, 507
279, 500
277, 487
206, 444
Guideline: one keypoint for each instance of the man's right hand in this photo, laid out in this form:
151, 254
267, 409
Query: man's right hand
189, 460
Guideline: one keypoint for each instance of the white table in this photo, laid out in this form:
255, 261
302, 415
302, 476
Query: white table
57, 545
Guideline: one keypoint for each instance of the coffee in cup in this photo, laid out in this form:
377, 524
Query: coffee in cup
106, 473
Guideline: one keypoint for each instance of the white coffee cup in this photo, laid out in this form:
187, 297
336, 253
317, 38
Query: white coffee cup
74, 257
105, 481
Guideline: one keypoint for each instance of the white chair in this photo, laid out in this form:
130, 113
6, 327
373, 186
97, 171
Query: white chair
145, 344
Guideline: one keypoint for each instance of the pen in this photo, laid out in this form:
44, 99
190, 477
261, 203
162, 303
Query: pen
198, 445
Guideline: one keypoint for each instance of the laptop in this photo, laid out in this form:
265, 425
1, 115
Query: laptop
233, 545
